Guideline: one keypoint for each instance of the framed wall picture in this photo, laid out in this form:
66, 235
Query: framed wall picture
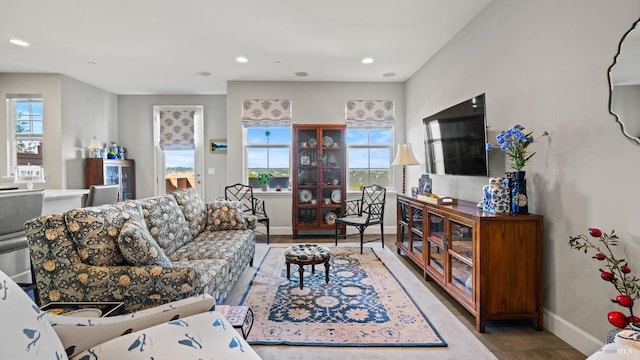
218, 146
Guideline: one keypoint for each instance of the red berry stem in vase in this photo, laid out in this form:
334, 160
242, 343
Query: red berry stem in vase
617, 273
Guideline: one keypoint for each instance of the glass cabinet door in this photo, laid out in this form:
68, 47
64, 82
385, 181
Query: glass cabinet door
111, 175
403, 222
461, 256
437, 238
127, 187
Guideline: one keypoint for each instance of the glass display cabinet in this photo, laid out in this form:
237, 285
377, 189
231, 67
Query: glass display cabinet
318, 177
98, 171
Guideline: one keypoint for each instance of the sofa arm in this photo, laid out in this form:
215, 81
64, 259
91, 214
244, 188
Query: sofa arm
195, 337
78, 334
138, 287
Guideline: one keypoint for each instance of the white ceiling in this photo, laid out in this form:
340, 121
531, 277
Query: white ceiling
157, 46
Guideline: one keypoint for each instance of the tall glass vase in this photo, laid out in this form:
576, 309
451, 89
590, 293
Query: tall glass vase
519, 199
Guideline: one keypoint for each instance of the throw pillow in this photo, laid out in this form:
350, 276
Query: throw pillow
94, 231
138, 246
225, 215
193, 208
166, 222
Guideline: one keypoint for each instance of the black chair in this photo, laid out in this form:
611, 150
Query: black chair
368, 210
251, 205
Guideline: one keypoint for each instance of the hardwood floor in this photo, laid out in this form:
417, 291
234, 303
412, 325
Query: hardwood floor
508, 340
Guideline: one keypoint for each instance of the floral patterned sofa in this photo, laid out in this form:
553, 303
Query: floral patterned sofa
142, 252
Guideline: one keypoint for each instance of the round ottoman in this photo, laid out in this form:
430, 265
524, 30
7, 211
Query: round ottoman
307, 254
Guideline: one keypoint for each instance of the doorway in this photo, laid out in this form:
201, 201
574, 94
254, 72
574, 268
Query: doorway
179, 147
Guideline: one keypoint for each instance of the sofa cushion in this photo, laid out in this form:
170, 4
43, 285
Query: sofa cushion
193, 208
138, 246
94, 230
166, 222
225, 215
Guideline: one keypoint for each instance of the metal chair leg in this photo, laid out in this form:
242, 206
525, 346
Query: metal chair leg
267, 224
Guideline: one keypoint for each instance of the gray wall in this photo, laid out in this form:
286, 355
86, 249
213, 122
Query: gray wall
543, 64
86, 112
135, 133
312, 102
73, 113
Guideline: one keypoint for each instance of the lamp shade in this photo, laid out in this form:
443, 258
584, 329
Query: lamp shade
94, 144
404, 156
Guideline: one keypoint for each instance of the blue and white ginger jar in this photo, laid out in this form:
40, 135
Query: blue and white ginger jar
496, 197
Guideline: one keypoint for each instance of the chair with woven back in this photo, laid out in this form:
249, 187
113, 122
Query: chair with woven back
251, 205
363, 212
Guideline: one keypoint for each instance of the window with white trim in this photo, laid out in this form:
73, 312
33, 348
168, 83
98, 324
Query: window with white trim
267, 145
268, 150
369, 152
369, 140
26, 130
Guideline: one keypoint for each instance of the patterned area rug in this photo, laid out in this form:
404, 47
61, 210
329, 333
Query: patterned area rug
362, 305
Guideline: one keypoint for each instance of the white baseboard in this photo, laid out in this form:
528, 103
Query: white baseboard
571, 334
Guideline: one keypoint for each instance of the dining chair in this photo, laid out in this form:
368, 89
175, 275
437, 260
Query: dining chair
251, 205
101, 195
363, 212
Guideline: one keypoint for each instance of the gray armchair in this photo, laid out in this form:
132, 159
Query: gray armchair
16, 207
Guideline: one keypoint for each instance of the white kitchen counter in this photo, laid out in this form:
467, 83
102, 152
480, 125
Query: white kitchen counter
58, 201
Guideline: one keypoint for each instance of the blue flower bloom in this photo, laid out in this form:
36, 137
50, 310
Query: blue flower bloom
514, 142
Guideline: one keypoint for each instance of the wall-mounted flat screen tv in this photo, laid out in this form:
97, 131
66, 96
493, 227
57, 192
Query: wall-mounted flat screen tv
455, 140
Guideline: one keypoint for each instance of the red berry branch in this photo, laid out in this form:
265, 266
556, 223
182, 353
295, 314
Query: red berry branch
616, 272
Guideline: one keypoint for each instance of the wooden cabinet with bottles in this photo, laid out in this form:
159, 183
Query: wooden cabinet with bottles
318, 177
98, 171
491, 264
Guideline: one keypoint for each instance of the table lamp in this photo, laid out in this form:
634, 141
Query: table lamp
94, 145
404, 157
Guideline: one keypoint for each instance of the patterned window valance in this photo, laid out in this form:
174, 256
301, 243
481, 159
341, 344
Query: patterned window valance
370, 113
266, 113
177, 129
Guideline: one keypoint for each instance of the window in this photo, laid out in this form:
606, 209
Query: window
26, 126
268, 150
369, 156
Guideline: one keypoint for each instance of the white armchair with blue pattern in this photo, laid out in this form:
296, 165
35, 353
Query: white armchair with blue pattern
29, 333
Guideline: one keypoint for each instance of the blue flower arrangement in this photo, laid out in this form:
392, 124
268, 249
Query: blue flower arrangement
514, 142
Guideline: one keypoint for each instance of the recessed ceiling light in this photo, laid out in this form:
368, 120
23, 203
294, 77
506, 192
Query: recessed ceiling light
367, 60
242, 59
91, 62
203, 73
389, 74
301, 74
19, 42
277, 62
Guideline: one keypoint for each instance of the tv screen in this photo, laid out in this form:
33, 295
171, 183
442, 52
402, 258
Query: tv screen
455, 140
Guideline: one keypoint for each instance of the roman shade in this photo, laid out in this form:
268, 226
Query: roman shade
177, 129
369, 113
266, 113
